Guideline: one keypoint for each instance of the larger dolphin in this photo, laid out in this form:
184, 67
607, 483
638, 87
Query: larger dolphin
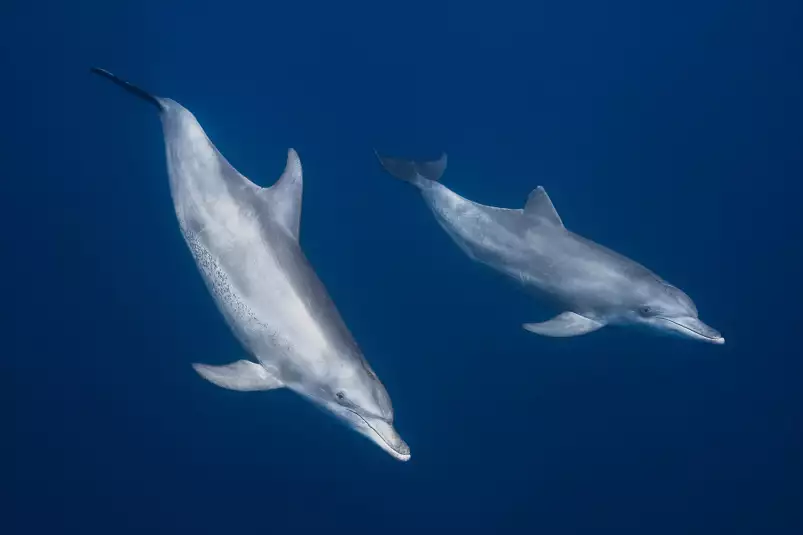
593, 285
244, 240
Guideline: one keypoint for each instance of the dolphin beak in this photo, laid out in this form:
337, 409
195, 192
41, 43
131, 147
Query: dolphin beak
386, 436
692, 327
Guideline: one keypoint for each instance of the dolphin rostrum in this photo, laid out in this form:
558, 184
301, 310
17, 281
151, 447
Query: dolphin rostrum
244, 239
593, 285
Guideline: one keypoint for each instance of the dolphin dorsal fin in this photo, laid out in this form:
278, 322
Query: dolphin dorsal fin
284, 197
539, 205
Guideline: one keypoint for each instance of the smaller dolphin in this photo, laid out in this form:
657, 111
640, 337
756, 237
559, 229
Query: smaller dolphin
244, 239
592, 284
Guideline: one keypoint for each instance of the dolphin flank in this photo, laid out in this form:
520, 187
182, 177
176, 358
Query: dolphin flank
244, 240
593, 285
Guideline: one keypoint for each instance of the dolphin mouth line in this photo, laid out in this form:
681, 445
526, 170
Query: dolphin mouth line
400, 454
698, 333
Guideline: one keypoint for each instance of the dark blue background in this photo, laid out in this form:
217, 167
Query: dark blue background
669, 131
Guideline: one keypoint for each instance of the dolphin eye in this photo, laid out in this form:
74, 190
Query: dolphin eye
646, 311
343, 400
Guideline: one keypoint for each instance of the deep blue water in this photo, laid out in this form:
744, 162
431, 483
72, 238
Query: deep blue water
671, 132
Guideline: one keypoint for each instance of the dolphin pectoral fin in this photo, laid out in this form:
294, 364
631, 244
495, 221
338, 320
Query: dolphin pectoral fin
242, 375
564, 325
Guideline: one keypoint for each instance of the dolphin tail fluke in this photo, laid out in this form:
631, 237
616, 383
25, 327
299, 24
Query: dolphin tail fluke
131, 88
416, 173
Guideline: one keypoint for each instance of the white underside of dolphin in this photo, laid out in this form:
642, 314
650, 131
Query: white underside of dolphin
593, 285
244, 239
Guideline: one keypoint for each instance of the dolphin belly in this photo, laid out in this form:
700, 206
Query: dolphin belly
262, 288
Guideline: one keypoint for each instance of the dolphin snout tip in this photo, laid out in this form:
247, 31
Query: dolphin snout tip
386, 436
402, 451
715, 337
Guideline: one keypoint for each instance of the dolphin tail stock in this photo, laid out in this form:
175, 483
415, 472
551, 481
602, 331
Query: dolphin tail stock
417, 173
128, 86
